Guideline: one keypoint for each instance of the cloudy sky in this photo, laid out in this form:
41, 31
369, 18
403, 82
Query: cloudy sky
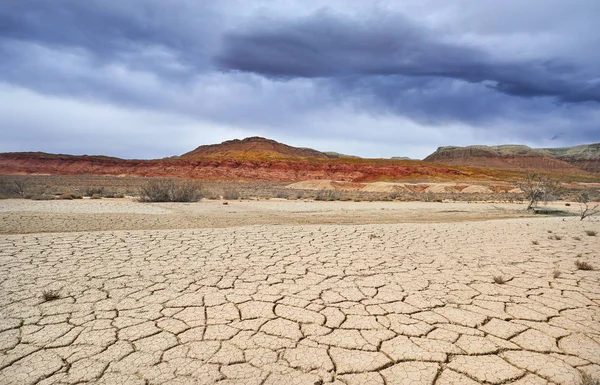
155, 78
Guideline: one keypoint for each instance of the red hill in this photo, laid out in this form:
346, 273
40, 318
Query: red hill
252, 148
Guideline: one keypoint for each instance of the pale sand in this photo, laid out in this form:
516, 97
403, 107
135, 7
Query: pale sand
404, 303
26, 216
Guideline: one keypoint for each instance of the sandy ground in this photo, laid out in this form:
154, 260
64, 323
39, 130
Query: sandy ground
278, 300
26, 216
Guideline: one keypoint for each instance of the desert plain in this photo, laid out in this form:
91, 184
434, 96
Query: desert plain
114, 291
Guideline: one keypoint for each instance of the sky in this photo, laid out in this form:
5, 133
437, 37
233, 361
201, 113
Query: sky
153, 78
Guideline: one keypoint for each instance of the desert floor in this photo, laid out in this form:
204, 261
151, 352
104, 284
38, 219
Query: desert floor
279, 292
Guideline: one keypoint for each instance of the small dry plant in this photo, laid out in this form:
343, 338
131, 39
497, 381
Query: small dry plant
591, 233
585, 210
50, 295
587, 379
499, 280
535, 243
582, 265
556, 273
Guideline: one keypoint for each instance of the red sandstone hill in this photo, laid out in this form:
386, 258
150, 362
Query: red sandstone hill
291, 169
570, 160
263, 159
253, 147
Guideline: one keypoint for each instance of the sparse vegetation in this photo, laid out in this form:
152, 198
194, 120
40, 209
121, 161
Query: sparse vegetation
535, 242
556, 273
327, 195
538, 188
69, 196
231, 194
167, 190
13, 189
582, 265
587, 379
50, 295
591, 233
585, 210
499, 279
555, 237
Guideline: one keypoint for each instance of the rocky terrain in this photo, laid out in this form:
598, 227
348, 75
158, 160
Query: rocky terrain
263, 159
569, 160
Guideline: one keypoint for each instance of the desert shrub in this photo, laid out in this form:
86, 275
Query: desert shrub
591, 233
327, 195
582, 265
164, 190
231, 194
13, 189
585, 210
535, 242
69, 196
538, 188
587, 379
50, 295
42, 197
213, 196
556, 273
91, 191
499, 280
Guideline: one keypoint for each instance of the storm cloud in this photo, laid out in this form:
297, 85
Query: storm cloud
378, 79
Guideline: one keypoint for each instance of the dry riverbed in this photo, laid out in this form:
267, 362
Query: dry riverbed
279, 292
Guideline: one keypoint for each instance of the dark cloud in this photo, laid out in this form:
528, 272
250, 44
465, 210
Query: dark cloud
328, 45
415, 74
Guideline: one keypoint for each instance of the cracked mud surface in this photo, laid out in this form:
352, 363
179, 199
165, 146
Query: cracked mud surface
411, 303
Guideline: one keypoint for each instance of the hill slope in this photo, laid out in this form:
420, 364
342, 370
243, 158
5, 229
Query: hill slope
569, 160
253, 147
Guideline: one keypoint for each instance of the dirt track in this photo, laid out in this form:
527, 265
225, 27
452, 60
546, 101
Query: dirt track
404, 303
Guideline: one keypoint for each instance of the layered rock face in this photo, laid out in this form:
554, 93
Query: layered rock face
569, 160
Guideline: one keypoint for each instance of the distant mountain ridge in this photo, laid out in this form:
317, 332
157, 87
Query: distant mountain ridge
582, 158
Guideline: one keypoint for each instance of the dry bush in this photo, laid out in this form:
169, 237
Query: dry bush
585, 210
231, 194
327, 195
582, 265
587, 379
556, 273
499, 280
13, 189
91, 191
50, 295
535, 242
591, 233
538, 188
166, 190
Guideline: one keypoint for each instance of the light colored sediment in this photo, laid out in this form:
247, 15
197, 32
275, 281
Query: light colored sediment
407, 303
26, 216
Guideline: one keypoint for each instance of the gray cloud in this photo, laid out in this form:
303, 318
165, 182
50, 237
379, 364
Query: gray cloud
412, 74
327, 45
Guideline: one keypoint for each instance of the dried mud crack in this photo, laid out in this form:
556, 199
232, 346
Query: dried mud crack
410, 303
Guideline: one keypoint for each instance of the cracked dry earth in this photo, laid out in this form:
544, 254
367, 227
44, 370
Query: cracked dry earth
411, 303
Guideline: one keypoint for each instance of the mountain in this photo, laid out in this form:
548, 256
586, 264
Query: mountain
252, 148
569, 160
585, 157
